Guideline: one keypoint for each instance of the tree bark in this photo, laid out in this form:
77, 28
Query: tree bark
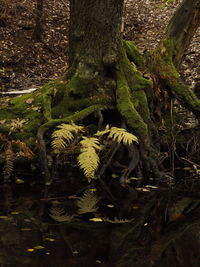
182, 28
167, 57
95, 32
37, 33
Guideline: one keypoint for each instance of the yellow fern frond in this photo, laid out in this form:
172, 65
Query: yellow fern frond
88, 142
87, 203
88, 159
120, 135
57, 213
106, 131
63, 136
116, 220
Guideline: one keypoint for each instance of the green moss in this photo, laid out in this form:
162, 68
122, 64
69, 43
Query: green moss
127, 108
134, 54
163, 66
77, 116
184, 94
134, 78
80, 86
142, 105
163, 57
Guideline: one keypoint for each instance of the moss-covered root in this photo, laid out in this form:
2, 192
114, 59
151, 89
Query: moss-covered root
162, 65
134, 54
136, 122
129, 113
126, 107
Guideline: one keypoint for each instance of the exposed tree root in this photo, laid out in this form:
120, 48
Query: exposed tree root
162, 66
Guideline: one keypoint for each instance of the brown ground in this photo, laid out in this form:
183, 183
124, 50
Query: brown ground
25, 63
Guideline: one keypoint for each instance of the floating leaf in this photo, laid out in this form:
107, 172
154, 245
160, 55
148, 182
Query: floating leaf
96, 219
114, 175
110, 206
30, 249
4, 217
142, 189
15, 212
19, 181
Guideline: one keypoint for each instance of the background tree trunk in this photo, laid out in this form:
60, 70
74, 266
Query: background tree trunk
37, 33
183, 26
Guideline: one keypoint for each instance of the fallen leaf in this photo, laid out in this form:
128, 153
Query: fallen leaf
30, 250
29, 100
39, 247
95, 220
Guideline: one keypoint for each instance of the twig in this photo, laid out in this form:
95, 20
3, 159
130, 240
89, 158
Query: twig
191, 162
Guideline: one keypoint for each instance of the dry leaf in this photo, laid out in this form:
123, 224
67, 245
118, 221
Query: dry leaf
29, 100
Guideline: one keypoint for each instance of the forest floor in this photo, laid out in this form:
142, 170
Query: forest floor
25, 63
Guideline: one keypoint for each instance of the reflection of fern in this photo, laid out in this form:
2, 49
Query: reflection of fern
88, 159
64, 135
119, 135
8, 167
116, 220
87, 203
57, 213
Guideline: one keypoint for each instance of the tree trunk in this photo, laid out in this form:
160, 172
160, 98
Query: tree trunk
95, 33
37, 32
182, 28
166, 59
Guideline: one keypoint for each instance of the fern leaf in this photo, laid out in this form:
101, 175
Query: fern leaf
120, 135
89, 142
88, 159
64, 135
116, 220
106, 131
8, 167
87, 203
58, 214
